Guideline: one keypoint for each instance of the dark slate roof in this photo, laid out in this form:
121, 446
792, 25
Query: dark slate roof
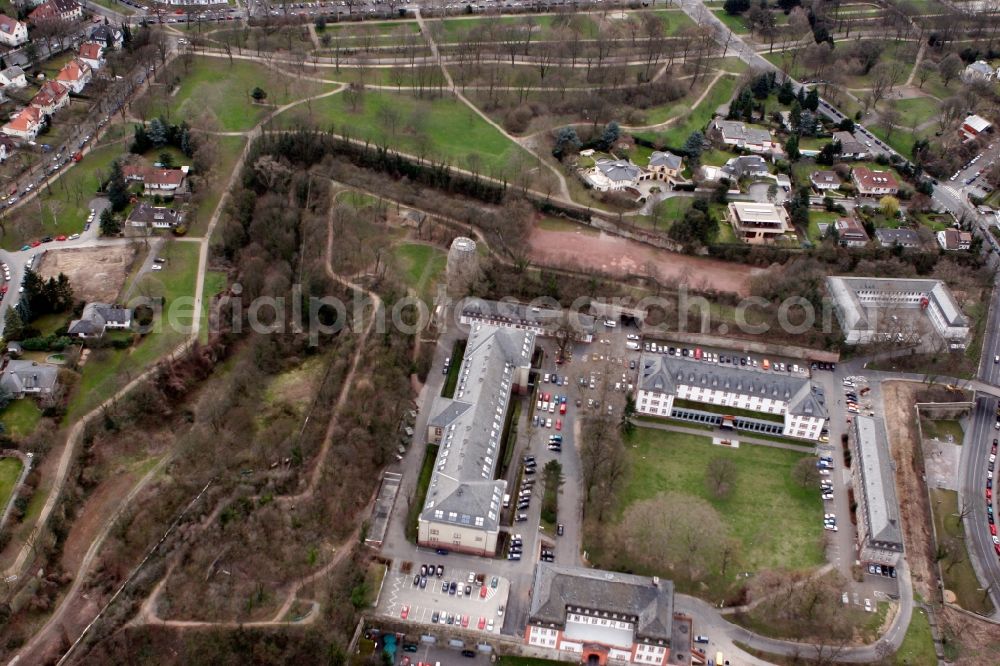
663, 373
650, 601
664, 158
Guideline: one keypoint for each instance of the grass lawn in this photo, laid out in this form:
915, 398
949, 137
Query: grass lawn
420, 266
918, 643
104, 374
451, 381
61, 207
776, 520
817, 217
20, 417
734, 23
10, 469
959, 576
697, 118
215, 282
420, 494
916, 110
230, 148
224, 88
941, 429
442, 128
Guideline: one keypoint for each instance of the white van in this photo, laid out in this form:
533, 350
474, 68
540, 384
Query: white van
610, 323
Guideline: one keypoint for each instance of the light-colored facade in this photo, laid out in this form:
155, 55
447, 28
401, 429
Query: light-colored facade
664, 379
758, 222
615, 175
604, 617
462, 509
880, 536
664, 165
740, 135
541, 321
13, 33
858, 302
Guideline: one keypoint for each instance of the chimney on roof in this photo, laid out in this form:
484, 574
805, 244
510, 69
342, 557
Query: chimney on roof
656, 581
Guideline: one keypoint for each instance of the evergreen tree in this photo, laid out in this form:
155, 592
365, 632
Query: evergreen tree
795, 116
693, 148
566, 140
610, 135
159, 132
13, 327
187, 145
812, 100
117, 188
140, 140
785, 93
736, 7
109, 224
792, 148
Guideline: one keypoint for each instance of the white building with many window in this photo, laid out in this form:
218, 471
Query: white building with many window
603, 617
461, 511
789, 405
860, 302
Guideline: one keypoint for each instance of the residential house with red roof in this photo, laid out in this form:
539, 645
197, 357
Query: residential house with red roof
92, 53
874, 183
159, 181
66, 10
25, 124
12, 32
75, 75
52, 97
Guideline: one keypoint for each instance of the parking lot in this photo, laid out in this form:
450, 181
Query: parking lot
480, 610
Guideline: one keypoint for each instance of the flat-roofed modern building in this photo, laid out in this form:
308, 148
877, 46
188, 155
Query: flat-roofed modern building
758, 222
604, 617
859, 302
540, 321
462, 509
880, 535
664, 380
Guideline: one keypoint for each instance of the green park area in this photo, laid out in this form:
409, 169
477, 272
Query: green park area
420, 266
10, 470
62, 206
223, 88
692, 119
109, 369
959, 576
774, 519
442, 128
917, 648
19, 417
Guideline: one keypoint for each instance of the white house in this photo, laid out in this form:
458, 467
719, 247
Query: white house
953, 239
612, 175
92, 53
740, 135
98, 317
25, 124
75, 75
13, 33
789, 405
978, 71
13, 77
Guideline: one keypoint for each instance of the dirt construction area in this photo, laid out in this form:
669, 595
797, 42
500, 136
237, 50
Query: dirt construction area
619, 257
96, 273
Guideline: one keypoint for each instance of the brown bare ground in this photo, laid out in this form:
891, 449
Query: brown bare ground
979, 641
900, 421
621, 257
96, 273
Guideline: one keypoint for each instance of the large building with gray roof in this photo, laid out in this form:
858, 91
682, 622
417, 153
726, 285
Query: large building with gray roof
601, 616
880, 535
462, 509
539, 320
789, 404
864, 305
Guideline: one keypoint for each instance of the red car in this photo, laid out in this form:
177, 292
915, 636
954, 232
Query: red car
405, 612
993, 530
482, 621
559, 427
989, 494
562, 408
35, 243
482, 592
60, 237
465, 621
996, 547
546, 397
